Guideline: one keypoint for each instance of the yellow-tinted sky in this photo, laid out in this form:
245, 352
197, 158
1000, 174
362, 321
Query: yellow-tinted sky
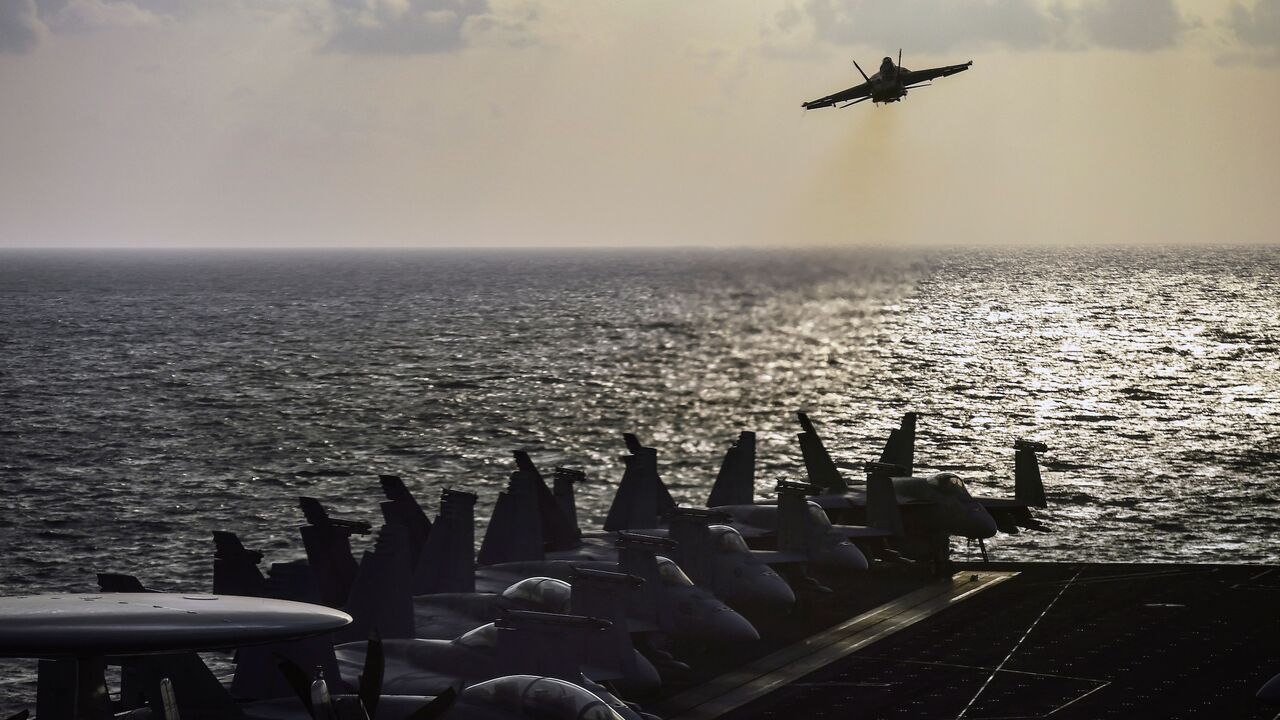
467, 122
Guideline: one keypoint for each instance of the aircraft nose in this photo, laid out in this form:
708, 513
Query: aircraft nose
642, 677
978, 523
840, 554
726, 626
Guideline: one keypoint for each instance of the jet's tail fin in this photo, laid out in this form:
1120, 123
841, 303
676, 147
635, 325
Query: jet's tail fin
900, 448
882, 500
642, 498
638, 555
736, 482
514, 533
602, 594
563, 480
793, 516
193, 692
817, 461
258, 676
328, 545
380, 597
1027, 483
403, 509
235, 567
447, 563
695, 551
559, 529
120, 583
549, 644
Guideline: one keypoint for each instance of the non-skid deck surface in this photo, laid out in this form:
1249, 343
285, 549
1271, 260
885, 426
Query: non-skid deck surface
1063, 641
757, 679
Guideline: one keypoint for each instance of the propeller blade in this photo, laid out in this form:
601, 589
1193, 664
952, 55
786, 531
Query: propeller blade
864, 75
371, 678
899, 57
436, 707
297, 678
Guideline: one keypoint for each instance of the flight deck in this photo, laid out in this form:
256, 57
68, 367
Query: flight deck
1026, 640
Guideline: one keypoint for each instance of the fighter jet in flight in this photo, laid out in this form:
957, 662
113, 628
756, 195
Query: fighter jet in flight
889, 85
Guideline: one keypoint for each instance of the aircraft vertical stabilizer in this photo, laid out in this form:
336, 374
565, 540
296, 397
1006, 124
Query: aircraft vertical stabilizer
194, 690
514, 533
380, 599
1027, 483
882, 501
642, 498
602, 594
447, 563
900, 448
736, 482
403, 509
235, 567
559, 529
817, 461
563, 480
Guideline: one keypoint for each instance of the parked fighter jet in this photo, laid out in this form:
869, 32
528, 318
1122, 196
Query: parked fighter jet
889, 85
928, 510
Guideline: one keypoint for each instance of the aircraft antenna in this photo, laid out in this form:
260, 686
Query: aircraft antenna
899, 57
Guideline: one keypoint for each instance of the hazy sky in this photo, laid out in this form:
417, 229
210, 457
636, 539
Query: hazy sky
461, 122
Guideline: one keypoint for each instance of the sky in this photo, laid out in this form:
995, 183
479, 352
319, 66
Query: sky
366, 123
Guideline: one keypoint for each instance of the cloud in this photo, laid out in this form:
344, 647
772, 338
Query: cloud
399, 27
1257, 26
932, 26
21, 29
1139, 25
88, 15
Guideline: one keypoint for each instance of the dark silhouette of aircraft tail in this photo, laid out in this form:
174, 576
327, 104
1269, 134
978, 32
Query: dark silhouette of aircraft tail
642, 499
120, 583
514, 533
380, 600
900, 448
328, 544
546, 643
1027, 484
563, 480
193, 691
694, 551
637, 555
793, 516
559, 529
402, 509
882, 501
817, 461
235, 567
602, 594
447, 563
736, 482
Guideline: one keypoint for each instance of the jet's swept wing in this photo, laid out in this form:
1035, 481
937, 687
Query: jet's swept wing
911, 77
857, 93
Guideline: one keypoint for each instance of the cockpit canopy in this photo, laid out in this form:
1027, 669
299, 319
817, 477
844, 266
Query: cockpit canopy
539, 697
950, 483
542, 594
484, 638
671, 573
729, 540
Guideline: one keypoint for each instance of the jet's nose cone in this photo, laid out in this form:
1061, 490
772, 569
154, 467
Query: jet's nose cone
761, 590
840, 554
642, 677
978, 523
727, 626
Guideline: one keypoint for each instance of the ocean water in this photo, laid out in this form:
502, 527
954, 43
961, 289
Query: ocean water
147, 400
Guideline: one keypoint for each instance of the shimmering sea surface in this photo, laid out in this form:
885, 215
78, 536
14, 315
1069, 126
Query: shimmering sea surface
147, 400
